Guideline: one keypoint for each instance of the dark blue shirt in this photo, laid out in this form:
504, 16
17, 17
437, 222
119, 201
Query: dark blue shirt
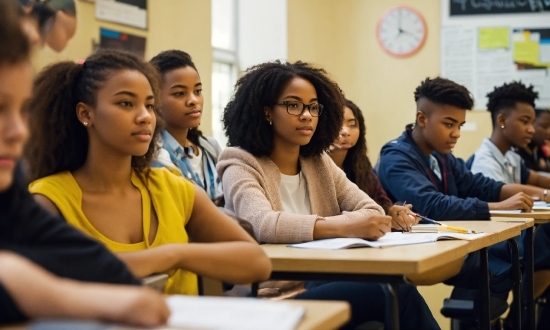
459, 195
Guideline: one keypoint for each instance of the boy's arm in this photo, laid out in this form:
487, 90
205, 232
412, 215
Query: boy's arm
406, 180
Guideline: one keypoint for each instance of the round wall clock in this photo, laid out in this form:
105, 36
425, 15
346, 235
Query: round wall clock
401, 31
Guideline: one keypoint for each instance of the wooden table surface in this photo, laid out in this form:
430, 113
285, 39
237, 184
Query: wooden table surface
495, 231
319, 315
394, 260
539, 216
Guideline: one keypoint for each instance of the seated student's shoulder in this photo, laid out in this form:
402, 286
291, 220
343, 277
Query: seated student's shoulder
56, 187
164, 179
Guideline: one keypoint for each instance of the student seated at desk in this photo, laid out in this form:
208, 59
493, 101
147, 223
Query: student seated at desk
29, 234
512, 113
349, 152
536, 154
183, 147
276, 176
420, 168
94, 170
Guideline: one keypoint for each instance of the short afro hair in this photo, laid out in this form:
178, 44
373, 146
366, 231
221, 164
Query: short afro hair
169, 60
444, 91
244, 118
506, 96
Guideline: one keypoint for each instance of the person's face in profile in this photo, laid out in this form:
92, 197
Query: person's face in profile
15, 91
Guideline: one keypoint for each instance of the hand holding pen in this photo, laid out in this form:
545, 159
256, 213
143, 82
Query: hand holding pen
402, 218
444, 226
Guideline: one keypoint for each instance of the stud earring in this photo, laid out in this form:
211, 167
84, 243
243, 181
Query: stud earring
85, 123
270, 123
502, 126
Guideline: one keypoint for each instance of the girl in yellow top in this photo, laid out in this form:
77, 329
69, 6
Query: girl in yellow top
94, 128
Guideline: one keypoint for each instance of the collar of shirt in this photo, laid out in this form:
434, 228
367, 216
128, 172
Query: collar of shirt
175, 147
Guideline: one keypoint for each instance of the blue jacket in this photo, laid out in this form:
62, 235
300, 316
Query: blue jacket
404, 173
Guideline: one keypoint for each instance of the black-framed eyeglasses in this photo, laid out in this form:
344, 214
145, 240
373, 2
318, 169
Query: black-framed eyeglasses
296, 108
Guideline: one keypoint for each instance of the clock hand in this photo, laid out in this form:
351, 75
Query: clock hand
399, 23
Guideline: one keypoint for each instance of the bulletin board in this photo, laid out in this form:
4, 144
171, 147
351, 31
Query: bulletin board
486, 43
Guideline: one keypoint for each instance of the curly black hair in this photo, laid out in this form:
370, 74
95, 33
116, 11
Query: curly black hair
170, 60
444, 91
505, 97
14, 44
59, 142
244, 119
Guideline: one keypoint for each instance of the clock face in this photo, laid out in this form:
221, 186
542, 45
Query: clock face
401, 31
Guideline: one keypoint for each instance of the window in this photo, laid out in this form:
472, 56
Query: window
224, 61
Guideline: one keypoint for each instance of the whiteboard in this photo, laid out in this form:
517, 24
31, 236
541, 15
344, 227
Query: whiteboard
484, 51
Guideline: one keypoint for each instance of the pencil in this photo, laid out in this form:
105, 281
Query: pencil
447, 227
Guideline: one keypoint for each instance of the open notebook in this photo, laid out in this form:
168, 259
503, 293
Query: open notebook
390, 239
232, 313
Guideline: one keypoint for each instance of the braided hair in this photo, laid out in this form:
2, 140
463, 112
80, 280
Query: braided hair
58, 140
505, 97
244, 120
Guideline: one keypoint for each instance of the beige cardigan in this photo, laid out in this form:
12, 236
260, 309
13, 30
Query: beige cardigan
251, 191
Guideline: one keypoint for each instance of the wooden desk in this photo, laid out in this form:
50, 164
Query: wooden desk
392, 264
540, 217
388, 265
319, 315
500, 230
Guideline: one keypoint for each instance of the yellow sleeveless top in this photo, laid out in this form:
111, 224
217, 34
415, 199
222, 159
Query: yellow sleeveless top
171, 196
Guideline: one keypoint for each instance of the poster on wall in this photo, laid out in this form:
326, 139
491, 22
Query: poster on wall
481, 53
111, 39
126, 12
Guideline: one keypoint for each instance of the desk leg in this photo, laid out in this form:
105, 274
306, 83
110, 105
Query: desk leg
484, 293
529, 272
515, 309
392, 305
254, 291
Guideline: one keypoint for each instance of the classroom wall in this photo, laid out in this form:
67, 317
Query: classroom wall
340, 36
173, 24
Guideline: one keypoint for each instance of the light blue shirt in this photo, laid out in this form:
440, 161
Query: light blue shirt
507, 168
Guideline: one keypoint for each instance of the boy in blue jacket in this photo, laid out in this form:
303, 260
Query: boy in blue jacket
418, 167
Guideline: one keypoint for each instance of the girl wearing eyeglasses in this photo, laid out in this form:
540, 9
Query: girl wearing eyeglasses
276, 175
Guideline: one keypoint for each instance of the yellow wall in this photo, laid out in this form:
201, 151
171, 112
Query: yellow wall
173, 24
340, 36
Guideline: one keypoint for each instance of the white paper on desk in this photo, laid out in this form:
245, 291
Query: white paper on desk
505, 211
390, 239
217, 313
541, 206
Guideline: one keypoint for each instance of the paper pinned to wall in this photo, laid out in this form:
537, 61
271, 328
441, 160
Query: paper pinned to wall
493, 38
